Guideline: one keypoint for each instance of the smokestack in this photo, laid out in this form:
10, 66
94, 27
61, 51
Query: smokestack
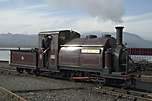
119, 35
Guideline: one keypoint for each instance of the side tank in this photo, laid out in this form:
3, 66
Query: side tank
87, 54
105, 54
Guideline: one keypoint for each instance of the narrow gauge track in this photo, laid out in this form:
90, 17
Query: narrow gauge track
119, 93
46, 90
7, 71
5, 68
132, 95
6, 95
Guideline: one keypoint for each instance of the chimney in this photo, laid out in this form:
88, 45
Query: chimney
119, 35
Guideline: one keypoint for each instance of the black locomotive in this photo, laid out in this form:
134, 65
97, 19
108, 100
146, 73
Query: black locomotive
104, 59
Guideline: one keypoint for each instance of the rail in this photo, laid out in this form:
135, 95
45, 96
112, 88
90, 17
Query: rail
123, 93
6, 95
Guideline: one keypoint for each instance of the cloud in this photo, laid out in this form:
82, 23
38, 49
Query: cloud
36, 18
33, 7
28, 21
90, 24
102, 9
3, 0
137, 18
139, 24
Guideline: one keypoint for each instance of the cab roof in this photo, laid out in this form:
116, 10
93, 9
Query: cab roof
56, 32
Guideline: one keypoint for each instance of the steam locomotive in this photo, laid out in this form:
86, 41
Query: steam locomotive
103, 59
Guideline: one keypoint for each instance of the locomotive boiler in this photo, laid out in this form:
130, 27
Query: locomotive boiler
65, 53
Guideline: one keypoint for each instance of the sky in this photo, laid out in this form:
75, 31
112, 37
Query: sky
33, 16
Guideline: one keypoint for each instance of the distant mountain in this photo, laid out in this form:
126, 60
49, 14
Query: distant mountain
31, 41
136, 41
132, 40
18, 40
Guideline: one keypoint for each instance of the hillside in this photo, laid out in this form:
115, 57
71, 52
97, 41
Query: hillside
132, 40
31, 41
18, 40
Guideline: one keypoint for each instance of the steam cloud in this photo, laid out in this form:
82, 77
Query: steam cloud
102, 9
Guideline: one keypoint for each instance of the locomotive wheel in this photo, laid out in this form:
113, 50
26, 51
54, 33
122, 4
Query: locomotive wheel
19, 70
36, 72
28, 71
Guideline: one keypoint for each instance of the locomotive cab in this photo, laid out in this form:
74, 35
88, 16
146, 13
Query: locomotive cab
48, 56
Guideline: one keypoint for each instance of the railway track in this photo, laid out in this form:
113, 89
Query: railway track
119, 93
6, 95
46, 90
8, 71
4, 67
116, 92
